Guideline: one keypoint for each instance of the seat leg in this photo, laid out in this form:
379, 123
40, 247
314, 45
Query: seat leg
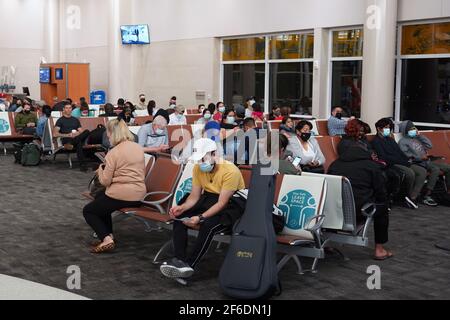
314, 266
299, 265
168, 246
69, 157
283, 262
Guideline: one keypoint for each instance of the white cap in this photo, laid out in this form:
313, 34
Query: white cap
201, 148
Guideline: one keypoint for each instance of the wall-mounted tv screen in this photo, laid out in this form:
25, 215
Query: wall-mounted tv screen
44, 75
59, 75
135, 34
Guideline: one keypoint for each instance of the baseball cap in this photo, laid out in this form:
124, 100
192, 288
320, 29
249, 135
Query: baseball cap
201, 148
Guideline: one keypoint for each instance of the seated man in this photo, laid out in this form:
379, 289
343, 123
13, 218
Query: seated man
389, 152
368, 186
26, 121
416, 146
336, 125
208, 207
73, 136
153, 137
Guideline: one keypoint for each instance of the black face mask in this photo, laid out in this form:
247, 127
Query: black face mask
339, 116
142, 100
305, 137
27, 111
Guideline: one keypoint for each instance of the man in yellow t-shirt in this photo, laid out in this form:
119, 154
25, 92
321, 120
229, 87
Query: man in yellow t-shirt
209, 208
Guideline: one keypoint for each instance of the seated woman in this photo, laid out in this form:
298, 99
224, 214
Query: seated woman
257, 113
369, 186
207, 116
127, 115
306, 147
123, 177
287, 127
229, 120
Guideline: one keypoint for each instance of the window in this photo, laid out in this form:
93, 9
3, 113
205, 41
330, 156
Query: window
426, 39
426, 90
346, 86
291, 85
423, 95
244, 49
346, 68
242, 81
292, 46
348, 43
280, 75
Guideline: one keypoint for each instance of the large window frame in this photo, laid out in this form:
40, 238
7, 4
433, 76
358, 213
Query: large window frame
267, 61
332, 59
399, 61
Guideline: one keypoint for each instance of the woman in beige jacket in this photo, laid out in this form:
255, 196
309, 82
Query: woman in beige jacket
123, 176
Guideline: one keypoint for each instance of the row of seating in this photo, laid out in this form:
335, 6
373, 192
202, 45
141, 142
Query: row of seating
8, 131
302, 199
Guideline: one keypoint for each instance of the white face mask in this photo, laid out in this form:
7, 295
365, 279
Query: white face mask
252, 102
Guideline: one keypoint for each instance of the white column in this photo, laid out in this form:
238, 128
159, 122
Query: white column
52, 31
320, 78
379, 60
121, 71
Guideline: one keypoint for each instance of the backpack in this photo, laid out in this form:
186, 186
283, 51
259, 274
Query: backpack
31, 155
96, 136
250, 267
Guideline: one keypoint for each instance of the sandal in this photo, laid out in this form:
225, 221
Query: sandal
388, 255
104, 249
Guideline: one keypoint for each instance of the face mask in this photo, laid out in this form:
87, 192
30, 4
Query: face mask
180, 116
159, 132
252, 102
412, 133
142, 100
339, 116
207, 116
277, 113
206, 167
231, 120
305, 136
386, 132
222, 109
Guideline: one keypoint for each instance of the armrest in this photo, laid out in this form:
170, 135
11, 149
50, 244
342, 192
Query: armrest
319, 223
369, 210
158, 202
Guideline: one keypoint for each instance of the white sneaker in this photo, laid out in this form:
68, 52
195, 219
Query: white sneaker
176, 269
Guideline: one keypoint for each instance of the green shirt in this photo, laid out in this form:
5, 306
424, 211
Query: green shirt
22, 120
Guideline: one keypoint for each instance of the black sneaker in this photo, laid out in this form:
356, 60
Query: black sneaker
177, 269
411, 203
429, 201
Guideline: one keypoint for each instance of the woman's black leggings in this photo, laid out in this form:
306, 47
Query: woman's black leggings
98, 213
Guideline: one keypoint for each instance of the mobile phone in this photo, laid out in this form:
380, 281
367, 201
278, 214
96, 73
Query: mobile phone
296, 161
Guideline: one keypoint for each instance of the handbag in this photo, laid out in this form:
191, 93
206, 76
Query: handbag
96, 189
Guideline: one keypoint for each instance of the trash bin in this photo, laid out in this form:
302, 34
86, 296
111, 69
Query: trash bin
98, 97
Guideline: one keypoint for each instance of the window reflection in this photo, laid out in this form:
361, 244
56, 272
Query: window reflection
346, 87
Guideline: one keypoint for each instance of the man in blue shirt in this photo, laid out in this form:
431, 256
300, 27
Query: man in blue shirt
154, 137
336, 125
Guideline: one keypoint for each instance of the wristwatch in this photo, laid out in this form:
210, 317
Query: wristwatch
202, 218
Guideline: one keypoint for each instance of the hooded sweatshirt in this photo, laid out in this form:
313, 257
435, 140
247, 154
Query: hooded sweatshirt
368, 183
414, 148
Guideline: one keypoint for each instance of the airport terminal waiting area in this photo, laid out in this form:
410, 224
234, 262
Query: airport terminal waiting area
44, 238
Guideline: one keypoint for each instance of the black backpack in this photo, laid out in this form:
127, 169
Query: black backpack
250, 267
30, 155
96, 136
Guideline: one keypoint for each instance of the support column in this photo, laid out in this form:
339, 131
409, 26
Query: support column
52, 31
121, 72
380, 34
320, 78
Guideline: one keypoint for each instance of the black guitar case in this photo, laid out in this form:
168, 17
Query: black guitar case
250, 267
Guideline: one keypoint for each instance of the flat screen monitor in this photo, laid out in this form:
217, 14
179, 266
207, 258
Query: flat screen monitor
44, 75
59, 75
135, 34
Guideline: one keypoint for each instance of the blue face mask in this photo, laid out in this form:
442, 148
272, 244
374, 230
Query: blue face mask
206, 167
386, 132
412, 133
222, 109
207, 116
230, 120
159, 132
